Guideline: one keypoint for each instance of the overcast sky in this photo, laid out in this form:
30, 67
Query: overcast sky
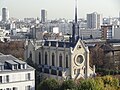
60, 8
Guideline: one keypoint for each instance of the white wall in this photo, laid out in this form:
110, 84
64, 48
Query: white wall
18, 79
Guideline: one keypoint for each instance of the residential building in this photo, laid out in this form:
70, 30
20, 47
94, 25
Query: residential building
15, 74
5, 14
90, 34
107, 31
110, 32
43, 15
94, 20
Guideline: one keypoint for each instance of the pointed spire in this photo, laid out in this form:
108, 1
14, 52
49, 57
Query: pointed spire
75, 11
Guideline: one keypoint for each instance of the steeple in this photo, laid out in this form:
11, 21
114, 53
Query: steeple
75, 27
75, 11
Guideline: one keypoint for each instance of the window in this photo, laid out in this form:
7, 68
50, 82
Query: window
7, 78
60, 73
8, 89
78, 71
53, 59
30, 56
23, 66
1, 67
0, 79
84, 71
15, 66
39, 58
60, 60
74, 71
28, 76
15, 88
45, 58
28, 88
79, 59
66, 61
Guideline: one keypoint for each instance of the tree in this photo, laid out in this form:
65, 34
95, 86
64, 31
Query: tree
99, 83
69, 84
88, 84
109, 81
49, 84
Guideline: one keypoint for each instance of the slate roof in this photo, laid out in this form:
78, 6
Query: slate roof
4, 59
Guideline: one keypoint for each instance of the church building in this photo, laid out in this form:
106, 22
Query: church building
60, 59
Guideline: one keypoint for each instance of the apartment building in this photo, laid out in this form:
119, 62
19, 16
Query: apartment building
15, 74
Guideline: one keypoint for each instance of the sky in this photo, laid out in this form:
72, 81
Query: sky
60, 8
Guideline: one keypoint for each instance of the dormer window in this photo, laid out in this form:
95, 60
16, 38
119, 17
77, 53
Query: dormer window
15, 66
24, 66
11, 64
1, 67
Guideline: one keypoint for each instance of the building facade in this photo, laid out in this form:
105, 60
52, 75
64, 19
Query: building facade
43, 16
61, 59
94, 20
15, 74
5, 14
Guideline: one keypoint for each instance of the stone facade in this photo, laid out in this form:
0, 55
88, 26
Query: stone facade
59, 59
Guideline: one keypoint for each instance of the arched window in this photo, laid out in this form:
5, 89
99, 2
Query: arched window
45, 58
74, 71
60, 60
30, 55
39, 58
53, 59
66, 61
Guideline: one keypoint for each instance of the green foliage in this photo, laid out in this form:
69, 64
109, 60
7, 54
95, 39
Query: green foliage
107, 71
49, 84
68, 85
98, 83
88, 84
110, 82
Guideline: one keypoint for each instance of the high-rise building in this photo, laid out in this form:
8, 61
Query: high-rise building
43, 15
94, 20
5, 14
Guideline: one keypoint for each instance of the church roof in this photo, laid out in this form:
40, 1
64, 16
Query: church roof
61, 44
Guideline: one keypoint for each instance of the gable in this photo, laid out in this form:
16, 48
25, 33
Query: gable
80, 46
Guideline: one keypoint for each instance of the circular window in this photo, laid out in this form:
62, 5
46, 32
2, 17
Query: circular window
79, 59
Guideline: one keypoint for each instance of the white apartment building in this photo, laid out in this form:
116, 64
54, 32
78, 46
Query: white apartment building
94, 20
15, 74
